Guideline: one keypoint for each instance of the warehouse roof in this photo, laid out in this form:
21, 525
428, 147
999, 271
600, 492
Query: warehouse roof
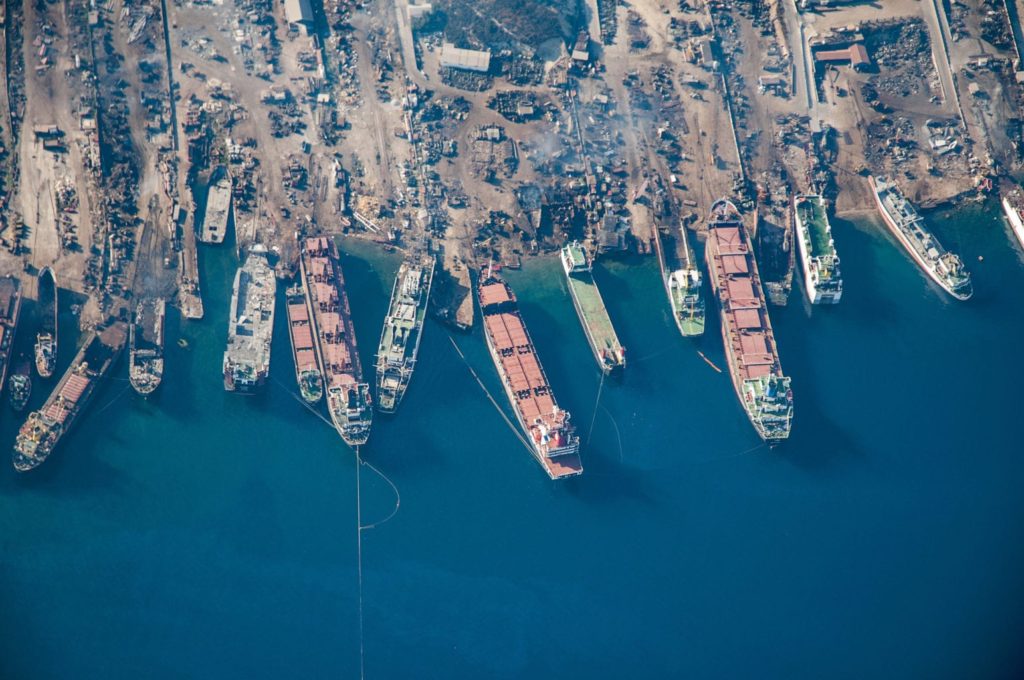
472, 60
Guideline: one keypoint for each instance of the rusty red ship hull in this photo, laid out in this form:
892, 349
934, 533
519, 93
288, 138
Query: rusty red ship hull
549, 433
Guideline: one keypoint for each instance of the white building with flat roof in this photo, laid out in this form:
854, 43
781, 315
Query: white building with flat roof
468, 60
298, 13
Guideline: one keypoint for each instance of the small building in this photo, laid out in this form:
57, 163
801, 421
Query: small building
855, 55
773, 83
581, 49
47, 132
467, 60
299, 14
707, 55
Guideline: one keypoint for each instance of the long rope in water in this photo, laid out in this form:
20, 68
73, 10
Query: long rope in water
360, 527
618, 436
114, 400
359, 560
480, 382
597, 401
394, 488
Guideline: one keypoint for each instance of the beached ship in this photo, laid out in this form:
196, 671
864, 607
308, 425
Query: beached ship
218, 207
604, 343
146, 346
773, 241
250, 324
19, 385
907, 225
549, 431
348, 396
1013, 208
403, 330
763, 390
818, 257
10, 313
300, 330
682, 278
46, 336
45, 428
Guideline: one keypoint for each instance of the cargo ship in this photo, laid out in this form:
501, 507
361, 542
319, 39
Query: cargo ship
19, 385
146, 346
218, 207
250, 324
818, 257
907, 225
763, 390
682, 278
403, 330
604, 343
550, 434
348, 397
1013, 208
307, 370
46, 337
773, 241
10, 312
44, 429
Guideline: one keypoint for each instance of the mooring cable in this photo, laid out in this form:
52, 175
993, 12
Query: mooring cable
480, 382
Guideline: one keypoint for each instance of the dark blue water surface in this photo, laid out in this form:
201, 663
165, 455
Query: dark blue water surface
203, 534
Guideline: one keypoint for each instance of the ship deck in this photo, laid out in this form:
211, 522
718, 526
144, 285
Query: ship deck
743, 311
252, 313
594, 313
812, 214
302, 337
325, 285
519, 362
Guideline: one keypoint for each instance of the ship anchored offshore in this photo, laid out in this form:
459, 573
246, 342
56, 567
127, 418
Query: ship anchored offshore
604, 343
550, 435
763, 390
403, 330
907, 225
348, 396
250, 324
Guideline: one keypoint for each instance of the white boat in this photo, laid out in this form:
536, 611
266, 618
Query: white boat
907, 225
818, 257
1013, 208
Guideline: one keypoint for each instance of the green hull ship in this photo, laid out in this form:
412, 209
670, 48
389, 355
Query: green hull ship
683, 281
307, 370
610, 354
403, 330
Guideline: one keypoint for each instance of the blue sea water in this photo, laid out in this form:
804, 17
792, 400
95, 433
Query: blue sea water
203, 534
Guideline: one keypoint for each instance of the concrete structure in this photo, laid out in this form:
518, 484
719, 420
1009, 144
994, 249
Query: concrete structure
299, 14
467, 60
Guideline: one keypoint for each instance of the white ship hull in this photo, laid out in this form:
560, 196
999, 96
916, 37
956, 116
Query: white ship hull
1015, 219
909, 247
814, 294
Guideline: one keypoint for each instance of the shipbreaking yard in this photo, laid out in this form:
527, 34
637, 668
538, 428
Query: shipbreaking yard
367, 119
